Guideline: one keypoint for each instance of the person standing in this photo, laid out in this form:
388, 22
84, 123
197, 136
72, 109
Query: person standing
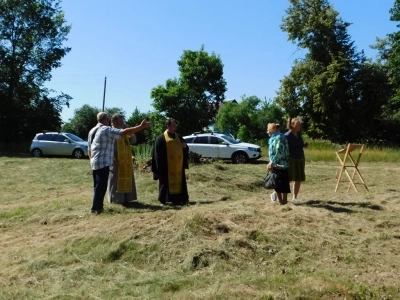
296, 154
121, 180
279, 162
101, 149
169, 161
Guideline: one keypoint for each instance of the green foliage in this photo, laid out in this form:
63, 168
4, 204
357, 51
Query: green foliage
157, 125
334, 87
19, 212
85, 118
31, 46
393, 55
389, 50
193, 99
247, 119
142, 152
135, 119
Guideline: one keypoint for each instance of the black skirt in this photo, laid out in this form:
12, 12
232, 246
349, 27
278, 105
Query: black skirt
283, 185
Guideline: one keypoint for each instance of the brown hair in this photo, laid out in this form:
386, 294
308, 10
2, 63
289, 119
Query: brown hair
115, 117
292, 121
169, 121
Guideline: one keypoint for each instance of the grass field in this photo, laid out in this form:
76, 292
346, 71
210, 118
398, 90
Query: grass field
231, 242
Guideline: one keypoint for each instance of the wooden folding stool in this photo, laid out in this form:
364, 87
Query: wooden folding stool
352, 164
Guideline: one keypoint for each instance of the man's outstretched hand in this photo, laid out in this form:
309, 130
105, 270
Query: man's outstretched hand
145, 124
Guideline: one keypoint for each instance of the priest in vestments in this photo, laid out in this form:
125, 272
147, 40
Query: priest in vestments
121, 179
169, 161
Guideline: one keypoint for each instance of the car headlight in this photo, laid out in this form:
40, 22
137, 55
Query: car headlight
252, 149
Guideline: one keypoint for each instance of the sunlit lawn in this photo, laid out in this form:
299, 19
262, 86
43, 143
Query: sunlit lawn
231, 242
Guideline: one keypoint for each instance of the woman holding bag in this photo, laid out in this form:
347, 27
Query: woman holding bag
279, 161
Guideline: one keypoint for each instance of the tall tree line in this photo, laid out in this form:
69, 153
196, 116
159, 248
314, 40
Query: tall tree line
341, 94
32, 33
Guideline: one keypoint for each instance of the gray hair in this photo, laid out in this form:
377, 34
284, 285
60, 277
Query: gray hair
102, 116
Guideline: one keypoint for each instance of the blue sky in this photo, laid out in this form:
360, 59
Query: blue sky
136, 44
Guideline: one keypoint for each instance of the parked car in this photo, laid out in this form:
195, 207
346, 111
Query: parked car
58, 143
222, 146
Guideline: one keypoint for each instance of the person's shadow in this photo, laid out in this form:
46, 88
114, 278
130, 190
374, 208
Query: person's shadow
146, 206
142, 205
340, 207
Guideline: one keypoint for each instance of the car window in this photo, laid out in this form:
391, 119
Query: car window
230, 139
189, 140
74, 137
216, 140
60, 138
201, 140
45, 137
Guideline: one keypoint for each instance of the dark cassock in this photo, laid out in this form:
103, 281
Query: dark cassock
169, 161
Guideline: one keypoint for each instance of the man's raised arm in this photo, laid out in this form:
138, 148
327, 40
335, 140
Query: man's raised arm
131, 130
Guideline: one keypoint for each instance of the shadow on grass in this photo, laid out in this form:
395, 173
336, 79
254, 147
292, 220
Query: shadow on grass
250, 162
201, 202
259, 162
359, 204
146, 206
339, 207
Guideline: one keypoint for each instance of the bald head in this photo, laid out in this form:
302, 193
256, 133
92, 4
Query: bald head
102, 117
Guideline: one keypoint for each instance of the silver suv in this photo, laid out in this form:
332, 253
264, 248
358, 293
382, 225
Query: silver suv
58, 143
217, 145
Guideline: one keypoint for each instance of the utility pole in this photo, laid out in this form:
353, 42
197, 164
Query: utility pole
104, 93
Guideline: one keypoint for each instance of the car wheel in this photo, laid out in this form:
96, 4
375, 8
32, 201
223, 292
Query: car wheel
78, 153
240, 158
37, 152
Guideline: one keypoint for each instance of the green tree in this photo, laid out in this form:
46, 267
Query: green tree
330, 85
247, 119
193, 98
143, 136
32, 33
158, 125
389, 49
85, 118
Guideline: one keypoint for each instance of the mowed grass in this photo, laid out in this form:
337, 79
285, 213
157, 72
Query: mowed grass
231, 242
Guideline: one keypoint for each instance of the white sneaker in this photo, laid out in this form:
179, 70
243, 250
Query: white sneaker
296, 201
273, 197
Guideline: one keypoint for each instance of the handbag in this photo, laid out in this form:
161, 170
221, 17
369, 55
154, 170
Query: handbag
270, 180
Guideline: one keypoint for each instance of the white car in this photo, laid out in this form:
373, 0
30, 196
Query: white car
222, 146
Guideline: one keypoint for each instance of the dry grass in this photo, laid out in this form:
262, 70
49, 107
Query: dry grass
231, 242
